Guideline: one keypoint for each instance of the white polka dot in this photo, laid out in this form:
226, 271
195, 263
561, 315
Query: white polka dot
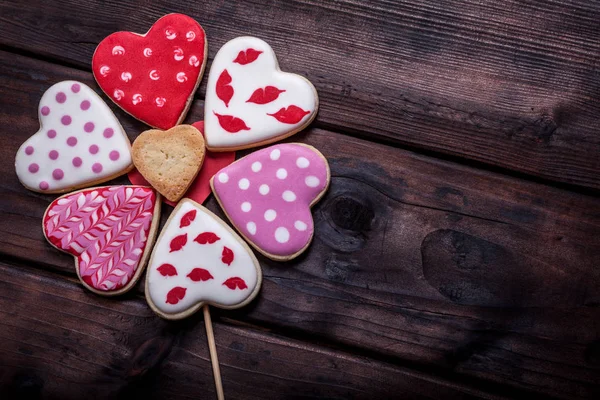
282, 235
312, 181
256, 166
301, 226
251, 226
270, 215
245, 183
302, 162
223, 177
289, 196
281, 173
246, 206
264, 189
275, 154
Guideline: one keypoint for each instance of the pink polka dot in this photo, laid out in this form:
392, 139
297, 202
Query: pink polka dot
94, 149
75, 88
58, 174
33, 168
77, 162
97, 168
108, 132
29, 150
85, 105
51, 133
72, 141
66, 120
44, 185
88, 127
114, 155
53, 155
61, 97
45, 111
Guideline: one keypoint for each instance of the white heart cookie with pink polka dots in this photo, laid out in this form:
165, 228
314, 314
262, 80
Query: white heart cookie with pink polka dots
268, 194
80, 142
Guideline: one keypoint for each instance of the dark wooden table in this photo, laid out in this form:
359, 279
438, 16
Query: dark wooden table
456, 254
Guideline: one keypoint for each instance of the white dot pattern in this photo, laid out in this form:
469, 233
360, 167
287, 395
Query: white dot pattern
244, 184
246, 206
281, 173
289, 196
264, 189
270, 215
223, 177
256, 166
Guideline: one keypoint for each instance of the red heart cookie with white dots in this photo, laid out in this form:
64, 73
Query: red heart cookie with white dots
250, 101
154, 76
198, 259
109, 230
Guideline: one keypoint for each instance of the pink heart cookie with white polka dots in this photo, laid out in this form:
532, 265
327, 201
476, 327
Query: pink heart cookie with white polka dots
80, 142
268, 194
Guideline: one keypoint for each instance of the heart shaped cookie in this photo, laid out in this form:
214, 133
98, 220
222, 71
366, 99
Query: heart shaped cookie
169, 160
200, 188
199, 259
109, 230
154, 76
268, 194
250, 102
80, 142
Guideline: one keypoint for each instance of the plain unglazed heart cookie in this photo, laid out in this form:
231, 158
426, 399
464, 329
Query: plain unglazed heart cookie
154, 76
268, 194
198, 259
109, 230
80, 142
250, 102
169, 160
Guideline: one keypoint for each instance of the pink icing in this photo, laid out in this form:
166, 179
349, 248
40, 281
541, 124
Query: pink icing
106, 228
281, 217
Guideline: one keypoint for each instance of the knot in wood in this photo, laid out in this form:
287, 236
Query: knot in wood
351, 214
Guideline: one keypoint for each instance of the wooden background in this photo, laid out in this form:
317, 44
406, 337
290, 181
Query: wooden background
456, 254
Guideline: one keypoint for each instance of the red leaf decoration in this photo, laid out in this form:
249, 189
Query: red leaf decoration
290, 115
247, 56
167, 270
235, 283
224, 89
206, 238
264, 96
175, 295
178, 242
227, 256
200, 274
187, 218
231, 124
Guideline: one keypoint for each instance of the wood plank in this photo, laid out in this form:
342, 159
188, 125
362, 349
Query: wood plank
415, 260
511, 84
57, 341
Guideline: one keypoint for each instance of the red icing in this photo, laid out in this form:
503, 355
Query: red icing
200, 275
264, 96
227, 255
223, 88
176, 294
167, 270
178, 242
187, 219
125, 69
231, 124
235, 283
290, 115
206, 238
247, 56
200, 188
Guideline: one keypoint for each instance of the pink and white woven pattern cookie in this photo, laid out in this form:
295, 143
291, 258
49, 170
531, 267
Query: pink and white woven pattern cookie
80, 142
109, 230
267, 195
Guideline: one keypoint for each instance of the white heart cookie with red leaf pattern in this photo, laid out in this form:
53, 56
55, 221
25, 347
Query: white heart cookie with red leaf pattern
250, 102
199, 259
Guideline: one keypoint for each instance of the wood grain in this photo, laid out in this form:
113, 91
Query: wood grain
511, 84
58, 341
471, 275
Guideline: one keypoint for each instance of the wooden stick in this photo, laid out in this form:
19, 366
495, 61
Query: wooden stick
213, 353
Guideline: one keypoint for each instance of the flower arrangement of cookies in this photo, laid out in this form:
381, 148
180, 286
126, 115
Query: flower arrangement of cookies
198, 259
